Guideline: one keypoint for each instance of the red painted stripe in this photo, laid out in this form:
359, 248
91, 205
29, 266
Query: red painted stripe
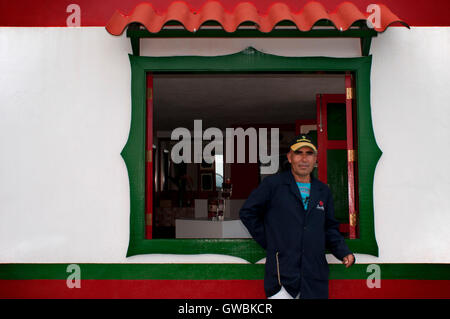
390, 289
137, 289
98, 12
214, 289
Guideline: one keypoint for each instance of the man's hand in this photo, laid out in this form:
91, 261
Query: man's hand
348, 260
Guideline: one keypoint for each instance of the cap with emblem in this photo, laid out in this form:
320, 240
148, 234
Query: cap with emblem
302, 140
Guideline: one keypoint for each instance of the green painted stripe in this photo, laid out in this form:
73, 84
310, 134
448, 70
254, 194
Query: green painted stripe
211, 271
393, 271
135, 271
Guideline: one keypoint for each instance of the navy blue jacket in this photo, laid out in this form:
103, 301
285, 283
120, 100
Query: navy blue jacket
294, 239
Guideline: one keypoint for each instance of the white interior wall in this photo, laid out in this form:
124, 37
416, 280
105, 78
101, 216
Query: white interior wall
65, 115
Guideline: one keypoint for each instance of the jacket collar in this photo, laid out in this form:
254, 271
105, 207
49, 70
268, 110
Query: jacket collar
316, 188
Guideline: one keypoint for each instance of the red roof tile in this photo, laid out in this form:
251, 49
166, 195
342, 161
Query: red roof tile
343, 17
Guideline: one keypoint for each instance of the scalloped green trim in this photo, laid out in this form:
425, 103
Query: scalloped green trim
248, 60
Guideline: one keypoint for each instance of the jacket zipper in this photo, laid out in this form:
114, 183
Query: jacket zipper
278, 269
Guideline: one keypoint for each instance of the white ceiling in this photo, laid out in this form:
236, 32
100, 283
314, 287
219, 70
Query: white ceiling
221, 100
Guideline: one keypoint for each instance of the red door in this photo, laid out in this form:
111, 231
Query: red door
337, 155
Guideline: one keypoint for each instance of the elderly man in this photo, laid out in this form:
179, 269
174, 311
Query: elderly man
291, 215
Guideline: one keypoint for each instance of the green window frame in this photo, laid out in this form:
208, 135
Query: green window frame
248, 60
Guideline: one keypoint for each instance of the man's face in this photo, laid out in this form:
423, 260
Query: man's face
302, 161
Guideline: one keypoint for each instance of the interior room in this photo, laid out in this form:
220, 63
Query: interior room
195, 200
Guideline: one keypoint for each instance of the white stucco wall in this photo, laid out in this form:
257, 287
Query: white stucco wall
65, 115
